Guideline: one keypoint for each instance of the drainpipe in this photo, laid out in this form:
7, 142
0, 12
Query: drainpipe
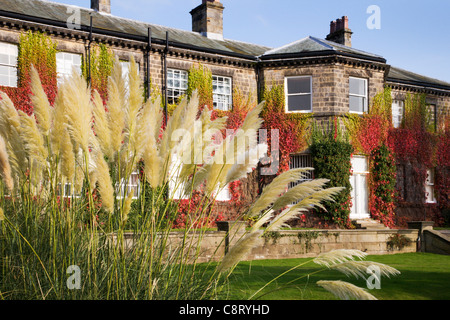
149, 47
89, 52
166, 50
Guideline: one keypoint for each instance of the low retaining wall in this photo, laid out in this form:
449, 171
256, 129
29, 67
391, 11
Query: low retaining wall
435, 242
292, 243
310, 243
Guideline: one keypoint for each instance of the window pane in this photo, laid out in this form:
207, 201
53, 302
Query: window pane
222, 98
357, 104
299, 85
397, 113
299, 103
357, 86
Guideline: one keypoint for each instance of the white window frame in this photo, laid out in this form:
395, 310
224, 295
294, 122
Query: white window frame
65, 71
360, 191
429, 186
398, 111
222, 100
12, 51
432, 115
365, 96
301, 160
124, 187
287, 95
182, 77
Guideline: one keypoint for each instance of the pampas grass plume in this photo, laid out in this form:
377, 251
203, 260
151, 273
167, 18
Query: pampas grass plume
42, 109
104, 182
5, 167
345, 291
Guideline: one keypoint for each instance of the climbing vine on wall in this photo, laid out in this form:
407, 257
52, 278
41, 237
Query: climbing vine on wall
331, 154
382, 181
38, 50
200, 79
292, 128
102, 60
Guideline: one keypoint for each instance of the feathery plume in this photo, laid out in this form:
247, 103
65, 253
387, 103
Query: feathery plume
67, 157
275, 189
359, 268
101, 125
299, 192
78, 105
105, 186
59, 122
152, 160
115, 106
33, 139
39, 99
127, 207
334, 257
10, 129
242, 141
134, 104
5, 167
345, 291
239, 250
245, 163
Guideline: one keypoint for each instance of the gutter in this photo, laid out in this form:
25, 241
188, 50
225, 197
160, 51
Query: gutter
123, 35
419, 84
323, 53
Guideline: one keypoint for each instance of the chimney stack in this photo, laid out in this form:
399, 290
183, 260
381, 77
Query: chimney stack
207, 19
103, 6
340, 32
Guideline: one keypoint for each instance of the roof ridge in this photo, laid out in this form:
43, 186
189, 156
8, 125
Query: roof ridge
321, 42
284, 46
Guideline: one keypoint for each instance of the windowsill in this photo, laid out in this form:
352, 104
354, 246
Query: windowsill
299, 111
358, 113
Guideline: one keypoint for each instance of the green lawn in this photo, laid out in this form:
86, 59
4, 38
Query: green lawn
423, 277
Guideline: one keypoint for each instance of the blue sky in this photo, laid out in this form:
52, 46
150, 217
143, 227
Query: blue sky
414, 34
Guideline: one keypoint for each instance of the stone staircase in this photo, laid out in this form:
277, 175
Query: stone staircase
369, 224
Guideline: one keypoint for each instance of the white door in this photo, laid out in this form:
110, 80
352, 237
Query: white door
358, 180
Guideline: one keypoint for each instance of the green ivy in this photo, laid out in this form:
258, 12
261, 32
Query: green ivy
200, 79
331, 155
102, 61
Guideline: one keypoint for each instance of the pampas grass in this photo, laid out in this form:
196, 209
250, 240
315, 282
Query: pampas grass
124, 245
346, 291
5, 167
40, 103
335, 257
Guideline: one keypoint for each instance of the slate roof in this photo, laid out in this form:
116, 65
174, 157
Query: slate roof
51, 12
58, 12
407, 77
313, 44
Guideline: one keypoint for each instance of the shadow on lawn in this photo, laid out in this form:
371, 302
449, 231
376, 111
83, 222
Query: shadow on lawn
423, 277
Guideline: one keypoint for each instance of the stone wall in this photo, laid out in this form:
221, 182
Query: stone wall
329, 84
290, 244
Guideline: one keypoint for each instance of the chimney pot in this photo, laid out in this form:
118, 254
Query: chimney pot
103, 6
332, 26
207, 19
340, 32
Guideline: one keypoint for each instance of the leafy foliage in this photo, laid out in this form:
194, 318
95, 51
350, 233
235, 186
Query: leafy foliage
331, 153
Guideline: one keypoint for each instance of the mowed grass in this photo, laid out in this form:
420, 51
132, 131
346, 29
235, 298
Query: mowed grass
423, 276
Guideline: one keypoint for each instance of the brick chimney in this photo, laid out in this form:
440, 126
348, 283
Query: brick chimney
340, 32
207, 19
103, 6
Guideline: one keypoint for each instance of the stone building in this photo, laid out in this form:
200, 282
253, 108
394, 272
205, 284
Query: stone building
325, 77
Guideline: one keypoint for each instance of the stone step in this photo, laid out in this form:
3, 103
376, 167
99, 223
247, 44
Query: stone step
369, 224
